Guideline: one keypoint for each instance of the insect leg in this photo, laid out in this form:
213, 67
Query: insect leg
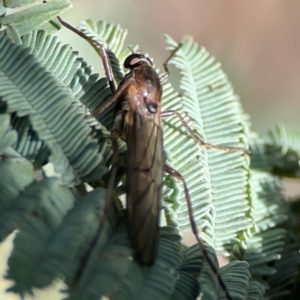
115, 135
177, 175
109, 75
165, 76
100, 49
114, 168
198, 140
111, 99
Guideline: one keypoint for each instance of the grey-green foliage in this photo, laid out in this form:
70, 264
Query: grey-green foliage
46, 94
218, 181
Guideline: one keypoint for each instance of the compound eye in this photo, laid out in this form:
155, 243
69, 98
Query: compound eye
132, 61
152, 107
136, 59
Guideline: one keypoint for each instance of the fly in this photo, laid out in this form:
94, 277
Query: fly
138, 122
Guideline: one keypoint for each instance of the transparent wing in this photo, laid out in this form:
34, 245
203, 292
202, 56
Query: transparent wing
144, 177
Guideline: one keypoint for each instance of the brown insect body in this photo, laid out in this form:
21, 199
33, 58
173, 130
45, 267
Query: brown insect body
138, 122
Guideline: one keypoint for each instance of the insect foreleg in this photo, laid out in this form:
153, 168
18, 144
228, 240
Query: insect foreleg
100, 49
111, 99
177, 175
165, 76
197, 139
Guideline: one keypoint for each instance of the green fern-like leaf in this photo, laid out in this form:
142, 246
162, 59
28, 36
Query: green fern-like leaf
52, 116
39, 16
8, 137
217, 180
62, 232
282, 147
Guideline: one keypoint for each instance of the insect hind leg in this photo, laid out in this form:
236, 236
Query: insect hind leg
178, 176
197, 139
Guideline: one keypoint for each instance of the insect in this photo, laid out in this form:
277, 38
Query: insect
138, 122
